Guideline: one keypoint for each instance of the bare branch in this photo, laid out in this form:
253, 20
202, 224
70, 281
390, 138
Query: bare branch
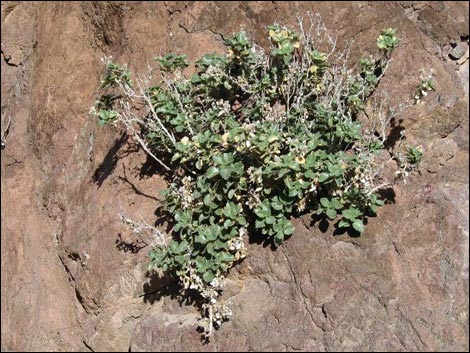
5, 131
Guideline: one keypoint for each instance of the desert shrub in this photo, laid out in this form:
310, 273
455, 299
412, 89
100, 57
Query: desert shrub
253, 138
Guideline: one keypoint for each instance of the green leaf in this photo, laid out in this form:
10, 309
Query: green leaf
331, 213
238, 168
344, 224
180, 259
259, 223
293, 192
288, 228
201, 239
373, 208
211, 250
241, 220
323, 177
218, 244
218, 159
181, 247
351, 213
288, 182
264, 210
201, 264
212, 232
207, 200
180, 215
226, 257
225, 172
358, 225
176, 156
195, 78
336, 204
228, 223
231, 210
309, 174
212, 172
208, 276
276, 205
379, 202
270, 220
324, 202
278, 238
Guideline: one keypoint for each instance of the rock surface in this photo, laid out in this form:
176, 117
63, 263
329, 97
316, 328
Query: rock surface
73, 278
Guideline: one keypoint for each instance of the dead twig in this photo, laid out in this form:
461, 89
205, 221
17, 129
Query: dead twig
5, 131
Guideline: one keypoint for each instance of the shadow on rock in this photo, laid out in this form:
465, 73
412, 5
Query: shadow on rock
158, 286
256, 237
132, 185
395, 133
387, 195
165, 285
151, 167
164, 219
133, 247
350, 231
321, 221
106, 167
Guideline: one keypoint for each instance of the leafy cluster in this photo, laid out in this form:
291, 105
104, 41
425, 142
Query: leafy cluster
387, 40
425, 85
413, 155
254, 137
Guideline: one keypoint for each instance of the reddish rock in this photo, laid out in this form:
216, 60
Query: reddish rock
73, 277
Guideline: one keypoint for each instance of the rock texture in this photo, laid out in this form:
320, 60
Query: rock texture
74, 279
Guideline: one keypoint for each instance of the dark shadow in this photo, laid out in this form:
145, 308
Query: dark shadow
167, 286
387, 195
132, 147
323, 225
256, 237
136, 190
149, 168
321, 220
106, 167
395, 133
350, 231
158, 286
132, 247
339, 231
164, 219
152, 167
